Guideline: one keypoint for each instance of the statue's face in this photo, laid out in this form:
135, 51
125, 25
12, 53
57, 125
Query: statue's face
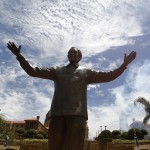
73, 55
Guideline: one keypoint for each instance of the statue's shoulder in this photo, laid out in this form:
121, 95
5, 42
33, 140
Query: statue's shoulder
82, 68
59, 68
85, 69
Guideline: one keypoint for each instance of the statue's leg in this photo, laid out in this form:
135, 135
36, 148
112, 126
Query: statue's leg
75, 133
55, 139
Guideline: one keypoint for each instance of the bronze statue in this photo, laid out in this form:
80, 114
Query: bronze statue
68, 114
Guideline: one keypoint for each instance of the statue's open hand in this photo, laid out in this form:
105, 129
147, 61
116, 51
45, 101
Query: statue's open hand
13, 48
129, 58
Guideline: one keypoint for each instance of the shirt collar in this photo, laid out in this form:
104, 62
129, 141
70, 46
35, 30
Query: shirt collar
76, 65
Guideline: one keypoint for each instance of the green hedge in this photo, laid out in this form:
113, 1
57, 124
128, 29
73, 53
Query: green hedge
105, 140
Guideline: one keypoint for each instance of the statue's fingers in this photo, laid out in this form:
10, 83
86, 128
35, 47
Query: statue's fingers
10, 43
20, 47
13, 44
131, 54
8, 46
134, 54
125, 56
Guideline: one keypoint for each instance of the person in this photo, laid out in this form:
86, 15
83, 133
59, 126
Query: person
68, 113
6, 142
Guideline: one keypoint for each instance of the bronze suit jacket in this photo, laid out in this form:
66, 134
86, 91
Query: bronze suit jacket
70, 95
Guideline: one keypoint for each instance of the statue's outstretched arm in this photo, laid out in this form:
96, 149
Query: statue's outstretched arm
100, 76
46, 73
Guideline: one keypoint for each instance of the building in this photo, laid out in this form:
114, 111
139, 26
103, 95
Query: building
34, 123
46, 122
140, 125
137, 124
16, 124
27, 124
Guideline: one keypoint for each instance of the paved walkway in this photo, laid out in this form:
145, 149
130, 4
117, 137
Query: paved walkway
143, 147
3, 148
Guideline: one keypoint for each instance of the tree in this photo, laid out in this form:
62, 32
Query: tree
3, 126
116, 134
31, 133
104, 134
124, 135
39, 136
1, 123
20, 132
45, 135
131, 134
144, 132
146, 105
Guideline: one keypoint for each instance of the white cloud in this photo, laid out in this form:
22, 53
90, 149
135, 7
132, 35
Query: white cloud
93, 26
114, 64
141, 76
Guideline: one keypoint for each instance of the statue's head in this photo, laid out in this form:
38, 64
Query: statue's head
74, 55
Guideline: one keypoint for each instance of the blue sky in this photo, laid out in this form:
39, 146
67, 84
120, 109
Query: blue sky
103, 30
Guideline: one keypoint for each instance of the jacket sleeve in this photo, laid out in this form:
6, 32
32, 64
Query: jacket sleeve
99, 76
46, 73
